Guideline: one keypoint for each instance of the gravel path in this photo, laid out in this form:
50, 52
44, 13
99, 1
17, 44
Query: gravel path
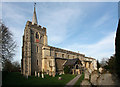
73, 81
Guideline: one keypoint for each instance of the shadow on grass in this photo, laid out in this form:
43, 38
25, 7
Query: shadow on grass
16, 79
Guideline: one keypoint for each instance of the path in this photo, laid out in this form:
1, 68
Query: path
73, 81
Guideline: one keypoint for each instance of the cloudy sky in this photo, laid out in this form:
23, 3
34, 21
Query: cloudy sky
87, 27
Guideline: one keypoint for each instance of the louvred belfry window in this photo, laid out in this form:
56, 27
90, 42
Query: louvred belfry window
37, 37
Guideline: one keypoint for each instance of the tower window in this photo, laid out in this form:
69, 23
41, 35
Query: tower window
37, 62
37, 48
37, 35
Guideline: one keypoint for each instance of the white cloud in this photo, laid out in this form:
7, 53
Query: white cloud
14, 14
103, 48
101, 20
57, 22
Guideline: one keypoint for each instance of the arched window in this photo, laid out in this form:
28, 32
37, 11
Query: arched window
37, 35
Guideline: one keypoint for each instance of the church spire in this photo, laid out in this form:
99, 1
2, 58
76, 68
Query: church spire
34, 19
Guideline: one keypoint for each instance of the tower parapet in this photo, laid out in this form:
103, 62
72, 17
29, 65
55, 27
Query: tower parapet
35, 26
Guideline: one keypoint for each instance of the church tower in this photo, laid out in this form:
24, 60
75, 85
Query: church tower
33, 39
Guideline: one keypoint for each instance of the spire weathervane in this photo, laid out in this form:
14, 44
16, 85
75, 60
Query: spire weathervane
34, 5
34, 20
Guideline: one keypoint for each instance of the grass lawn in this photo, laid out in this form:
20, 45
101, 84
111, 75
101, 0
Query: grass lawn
77, 84
16, 79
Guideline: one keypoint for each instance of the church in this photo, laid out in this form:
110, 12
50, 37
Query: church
38, 56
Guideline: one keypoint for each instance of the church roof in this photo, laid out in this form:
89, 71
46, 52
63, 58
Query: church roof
63, 50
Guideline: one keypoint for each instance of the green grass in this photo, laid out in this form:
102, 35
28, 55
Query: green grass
15, 78
77, 84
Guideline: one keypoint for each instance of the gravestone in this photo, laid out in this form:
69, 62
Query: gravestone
27, 76
38, 74
35, 73
53, 74
94, 77
59, 78
42, 75
100, 69
105, 79
87, 75
50, 73
86, 83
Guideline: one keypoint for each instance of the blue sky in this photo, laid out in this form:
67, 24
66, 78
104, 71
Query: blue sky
87, 27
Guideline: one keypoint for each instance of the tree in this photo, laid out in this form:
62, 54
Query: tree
117, 50
16, 66
11, 66
111, 64
98, 64
103, 62
8, 45
8, 66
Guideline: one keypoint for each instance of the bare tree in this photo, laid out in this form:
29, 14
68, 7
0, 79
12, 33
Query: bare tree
103, 62
8, 45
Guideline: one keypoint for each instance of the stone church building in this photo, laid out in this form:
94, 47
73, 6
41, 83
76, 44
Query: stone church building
38, 56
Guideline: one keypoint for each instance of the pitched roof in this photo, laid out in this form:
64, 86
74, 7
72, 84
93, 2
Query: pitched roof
71, 62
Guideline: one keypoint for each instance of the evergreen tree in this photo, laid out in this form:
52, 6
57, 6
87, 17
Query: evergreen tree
117, 50
111, 64
98, 64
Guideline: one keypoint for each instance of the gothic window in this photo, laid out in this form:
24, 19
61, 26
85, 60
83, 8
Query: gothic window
37, 62
37, 35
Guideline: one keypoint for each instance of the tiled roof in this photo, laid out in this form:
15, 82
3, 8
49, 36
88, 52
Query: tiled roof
71, 62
